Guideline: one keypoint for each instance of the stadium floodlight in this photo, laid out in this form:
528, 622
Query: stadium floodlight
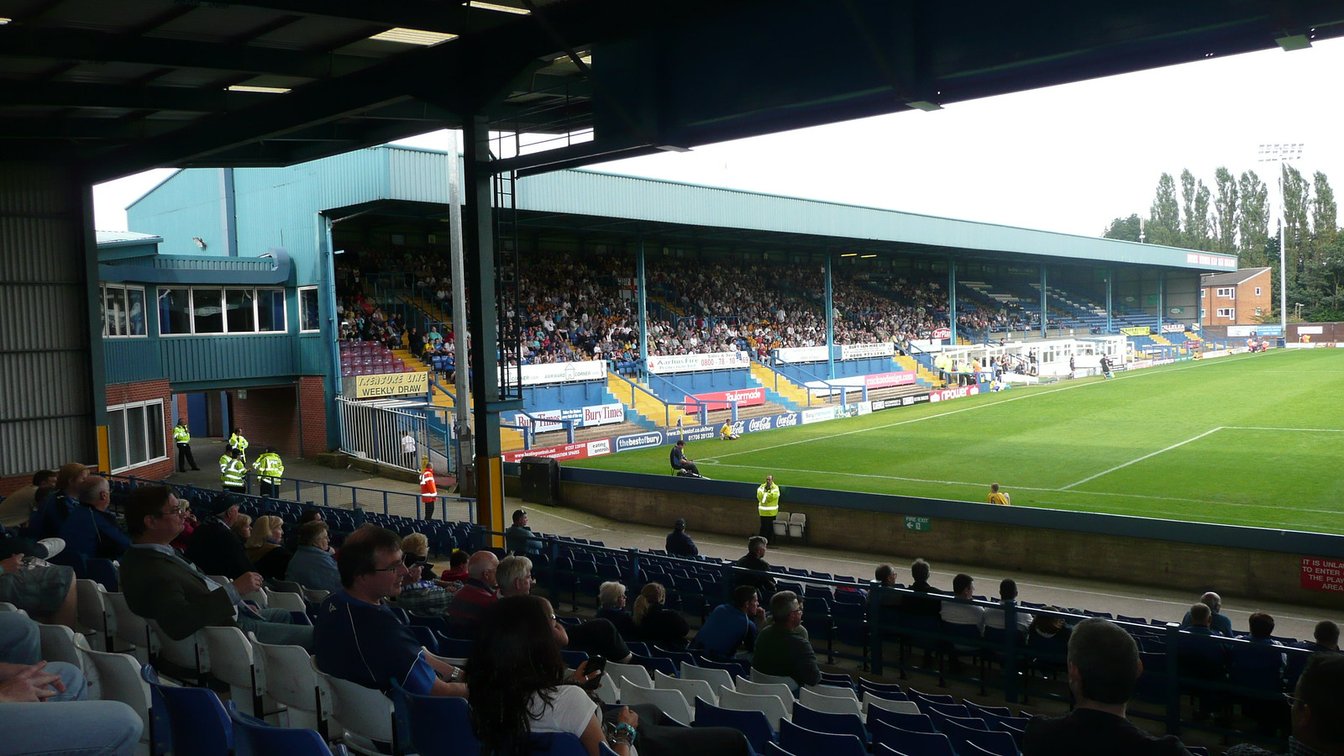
1282, 153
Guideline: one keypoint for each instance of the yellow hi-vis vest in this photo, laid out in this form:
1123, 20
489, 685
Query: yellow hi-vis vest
236, 441
767, 502
231, 471
269, 467
181, 435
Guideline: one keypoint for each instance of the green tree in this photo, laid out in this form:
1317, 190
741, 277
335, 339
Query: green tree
1225, 208
1126, 229
1296, 221
1198, 233
1253, 221
1164, 218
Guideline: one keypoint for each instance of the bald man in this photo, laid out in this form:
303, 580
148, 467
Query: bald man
476, 594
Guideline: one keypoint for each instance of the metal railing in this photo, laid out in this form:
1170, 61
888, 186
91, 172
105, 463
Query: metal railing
373, 432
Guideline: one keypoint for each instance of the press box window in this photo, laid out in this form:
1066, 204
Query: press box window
135, 435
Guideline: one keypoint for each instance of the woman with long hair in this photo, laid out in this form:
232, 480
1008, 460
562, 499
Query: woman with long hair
519, 686
655, 622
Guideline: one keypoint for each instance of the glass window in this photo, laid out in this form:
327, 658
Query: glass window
308, 320
271, 310
207, 311
241, 308
136, 434
135, 309
174, 311
123, 310
1257, 291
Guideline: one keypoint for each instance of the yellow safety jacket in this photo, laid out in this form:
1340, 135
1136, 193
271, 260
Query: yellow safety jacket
767, 501
236, 441
232, 472
269, 468
181, 435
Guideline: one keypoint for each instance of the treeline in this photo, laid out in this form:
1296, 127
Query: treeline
1234, 216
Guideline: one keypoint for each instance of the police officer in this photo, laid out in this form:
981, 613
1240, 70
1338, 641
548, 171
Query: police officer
232, 472
237, 441
269, 471
182, 437
767, 505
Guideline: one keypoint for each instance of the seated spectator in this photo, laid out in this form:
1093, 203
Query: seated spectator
415, 548
46, 593
783, 647
923, 606
518, 684
457, 567
313, 565
961, 611
1007, 597
679, 542
359, 639
1326, 637
1317, 712
476, 593
420, 594
1202, 660
50, 515
597, 636
312, 514
1104, 669
656, 623
90, 530
242, 528
518, 539
730, 630
755, 561
44, 705
164, 587
611, 596
264, 549
1220, 623
18, 506
214, 547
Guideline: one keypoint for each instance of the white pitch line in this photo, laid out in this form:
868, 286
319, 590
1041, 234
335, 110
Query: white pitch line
1126, 376
1284, 430
1140, 459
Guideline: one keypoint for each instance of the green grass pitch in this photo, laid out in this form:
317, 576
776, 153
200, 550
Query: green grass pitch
1252, 440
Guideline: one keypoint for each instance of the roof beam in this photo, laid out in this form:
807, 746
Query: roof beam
430, 15
20, 40
76, 95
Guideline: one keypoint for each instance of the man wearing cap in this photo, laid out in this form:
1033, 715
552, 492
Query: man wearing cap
213, 546
679, 543
162, 586
518, 539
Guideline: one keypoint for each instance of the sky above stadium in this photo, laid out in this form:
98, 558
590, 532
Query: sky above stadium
1068, 158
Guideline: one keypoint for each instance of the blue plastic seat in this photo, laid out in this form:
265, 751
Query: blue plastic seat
822, 721
900, 720
909, 742
656, 664
993, 742
752, 724
804, 742
194, 719
253, 737
434, 725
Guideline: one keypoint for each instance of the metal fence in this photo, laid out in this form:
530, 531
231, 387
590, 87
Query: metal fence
374, 430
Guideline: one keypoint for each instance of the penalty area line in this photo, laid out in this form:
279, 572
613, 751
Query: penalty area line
1140, 459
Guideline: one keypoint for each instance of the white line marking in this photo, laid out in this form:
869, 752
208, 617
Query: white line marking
1140, 459
1085, 384
1284, 430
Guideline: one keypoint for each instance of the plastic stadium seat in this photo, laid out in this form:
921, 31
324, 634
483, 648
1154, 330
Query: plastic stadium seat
773, 749
801, 740
232, 660
365, 713
762, 677
116, 677
779, 690
909, 742
196, 721
898, 719
775, 710
670, 702
740, 669
993, 742
690, 688
717, 678
752, 724
797, 524
848, 724
892, 704
655, 663
782, 524
435, 725
831, 704
253, 737
632, 672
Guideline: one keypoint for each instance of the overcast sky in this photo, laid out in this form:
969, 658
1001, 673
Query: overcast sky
1067, 158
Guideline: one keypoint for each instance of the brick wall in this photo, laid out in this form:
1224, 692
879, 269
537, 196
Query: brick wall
144, 391
293, 419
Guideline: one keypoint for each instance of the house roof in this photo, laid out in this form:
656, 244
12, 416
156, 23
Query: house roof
1235, 278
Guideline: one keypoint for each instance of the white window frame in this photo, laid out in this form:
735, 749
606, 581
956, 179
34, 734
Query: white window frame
150, 415
1203, 293
303, 289
103, 291
1257, 291
223, 292
1226, 292
1227, 312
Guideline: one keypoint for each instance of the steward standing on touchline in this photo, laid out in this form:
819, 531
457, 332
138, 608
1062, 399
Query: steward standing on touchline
767, 505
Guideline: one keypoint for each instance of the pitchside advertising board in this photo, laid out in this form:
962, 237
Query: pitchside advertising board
714, 401
582, 417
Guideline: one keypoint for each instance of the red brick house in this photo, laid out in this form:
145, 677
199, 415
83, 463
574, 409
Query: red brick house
1243, 297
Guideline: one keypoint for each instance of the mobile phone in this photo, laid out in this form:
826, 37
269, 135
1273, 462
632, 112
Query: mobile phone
596, 663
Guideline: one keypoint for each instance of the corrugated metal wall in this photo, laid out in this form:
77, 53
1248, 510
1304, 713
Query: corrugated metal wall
46, 360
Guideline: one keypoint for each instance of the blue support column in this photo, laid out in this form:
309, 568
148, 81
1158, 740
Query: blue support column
643, 314
1045, 309
1110, 293
952, 299
830, 322
1161, 298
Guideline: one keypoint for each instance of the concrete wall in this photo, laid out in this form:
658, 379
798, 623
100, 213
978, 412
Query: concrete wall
1136, 551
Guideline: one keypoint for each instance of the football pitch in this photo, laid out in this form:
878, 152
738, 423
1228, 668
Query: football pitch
1252, 440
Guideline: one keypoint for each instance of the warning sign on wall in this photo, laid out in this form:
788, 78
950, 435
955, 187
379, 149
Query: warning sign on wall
1323, 574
